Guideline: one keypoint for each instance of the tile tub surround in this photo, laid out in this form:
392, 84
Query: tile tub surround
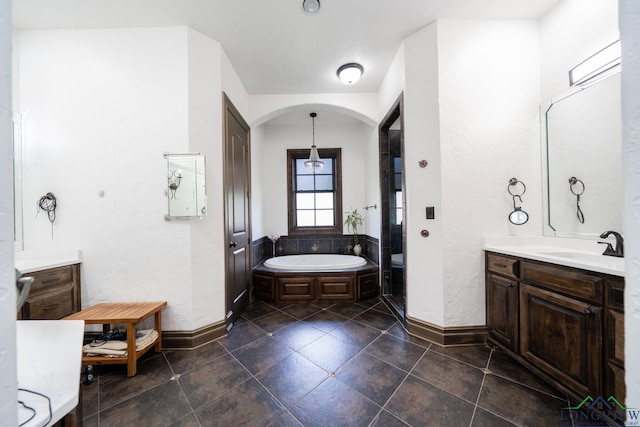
274, 369
304, 244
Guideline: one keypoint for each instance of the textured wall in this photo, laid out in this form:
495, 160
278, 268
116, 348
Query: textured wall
99, 109
472, 93
8, 392
569, 33
630, 31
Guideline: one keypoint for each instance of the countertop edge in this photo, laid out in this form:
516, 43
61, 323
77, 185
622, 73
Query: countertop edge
522, 252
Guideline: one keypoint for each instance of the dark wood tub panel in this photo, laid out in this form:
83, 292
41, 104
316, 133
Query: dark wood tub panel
296, 286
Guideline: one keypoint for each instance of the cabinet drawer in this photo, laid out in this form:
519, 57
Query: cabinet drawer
59, 302
55, 293
564, 280
46, 280
503, 265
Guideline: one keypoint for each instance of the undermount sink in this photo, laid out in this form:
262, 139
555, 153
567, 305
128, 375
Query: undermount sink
586, 257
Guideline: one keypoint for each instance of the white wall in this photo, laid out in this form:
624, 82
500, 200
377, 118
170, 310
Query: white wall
570, 33
471, 111
99, 109
205, 136
8, 379
630, 31
489, 128
424, 274
270, 168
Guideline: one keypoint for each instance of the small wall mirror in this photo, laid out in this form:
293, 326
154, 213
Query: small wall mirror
186, 186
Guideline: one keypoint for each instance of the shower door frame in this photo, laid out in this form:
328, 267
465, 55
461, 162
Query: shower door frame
396, 112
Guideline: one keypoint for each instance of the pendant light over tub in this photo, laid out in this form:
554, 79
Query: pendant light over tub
350, 73
314, 164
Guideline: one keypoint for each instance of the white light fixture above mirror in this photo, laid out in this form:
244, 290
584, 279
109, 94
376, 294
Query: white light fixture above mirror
350, 73
314, 164
599, 65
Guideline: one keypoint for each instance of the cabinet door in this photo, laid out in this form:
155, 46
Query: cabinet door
502, 310
336, 287
561, 336
614, 342
264, 287
298, 288
367, 286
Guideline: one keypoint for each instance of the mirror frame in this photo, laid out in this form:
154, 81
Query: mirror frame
198, 189
548, 228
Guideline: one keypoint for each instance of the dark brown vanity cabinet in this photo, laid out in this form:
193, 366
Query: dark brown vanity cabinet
614, 344
55, 293
502, 310
556, 321
561, 336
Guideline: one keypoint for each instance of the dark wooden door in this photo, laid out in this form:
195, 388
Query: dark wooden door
502, 310
237, 179
561, 335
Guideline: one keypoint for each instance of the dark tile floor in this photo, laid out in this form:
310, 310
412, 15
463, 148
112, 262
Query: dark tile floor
340, 365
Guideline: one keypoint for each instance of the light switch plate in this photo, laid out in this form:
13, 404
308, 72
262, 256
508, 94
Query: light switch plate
431, 212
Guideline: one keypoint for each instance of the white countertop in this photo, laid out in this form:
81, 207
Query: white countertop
49, 354
577, 253
30, 261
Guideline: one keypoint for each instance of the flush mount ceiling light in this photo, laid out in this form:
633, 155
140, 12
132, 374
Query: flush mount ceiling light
314, 164
350, 73
311, 7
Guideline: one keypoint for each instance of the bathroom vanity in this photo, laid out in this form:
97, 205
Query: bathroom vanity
563, 322
55, 292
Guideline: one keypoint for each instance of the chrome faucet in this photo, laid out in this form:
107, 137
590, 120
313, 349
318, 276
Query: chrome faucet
610, 251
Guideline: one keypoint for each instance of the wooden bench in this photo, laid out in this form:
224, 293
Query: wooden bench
129, 313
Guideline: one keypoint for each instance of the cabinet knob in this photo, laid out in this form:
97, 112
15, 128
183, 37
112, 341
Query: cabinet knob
233, 244
588, 310
510, 285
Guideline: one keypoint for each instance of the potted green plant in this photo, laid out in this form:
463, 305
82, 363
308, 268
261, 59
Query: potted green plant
354, 220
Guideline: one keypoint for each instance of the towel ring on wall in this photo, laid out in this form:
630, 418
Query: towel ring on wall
48, 203
517, 216
513, 182
573, 183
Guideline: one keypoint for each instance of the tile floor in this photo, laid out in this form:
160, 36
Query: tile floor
306, 365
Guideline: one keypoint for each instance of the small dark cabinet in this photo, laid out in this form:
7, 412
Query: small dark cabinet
502, 310
55, 293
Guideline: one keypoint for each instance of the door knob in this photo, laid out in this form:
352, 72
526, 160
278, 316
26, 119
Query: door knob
233, 244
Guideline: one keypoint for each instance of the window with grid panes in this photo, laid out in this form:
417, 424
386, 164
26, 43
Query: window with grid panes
315, 199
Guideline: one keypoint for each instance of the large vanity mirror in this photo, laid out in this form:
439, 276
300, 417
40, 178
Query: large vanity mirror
584, 161
186, 186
